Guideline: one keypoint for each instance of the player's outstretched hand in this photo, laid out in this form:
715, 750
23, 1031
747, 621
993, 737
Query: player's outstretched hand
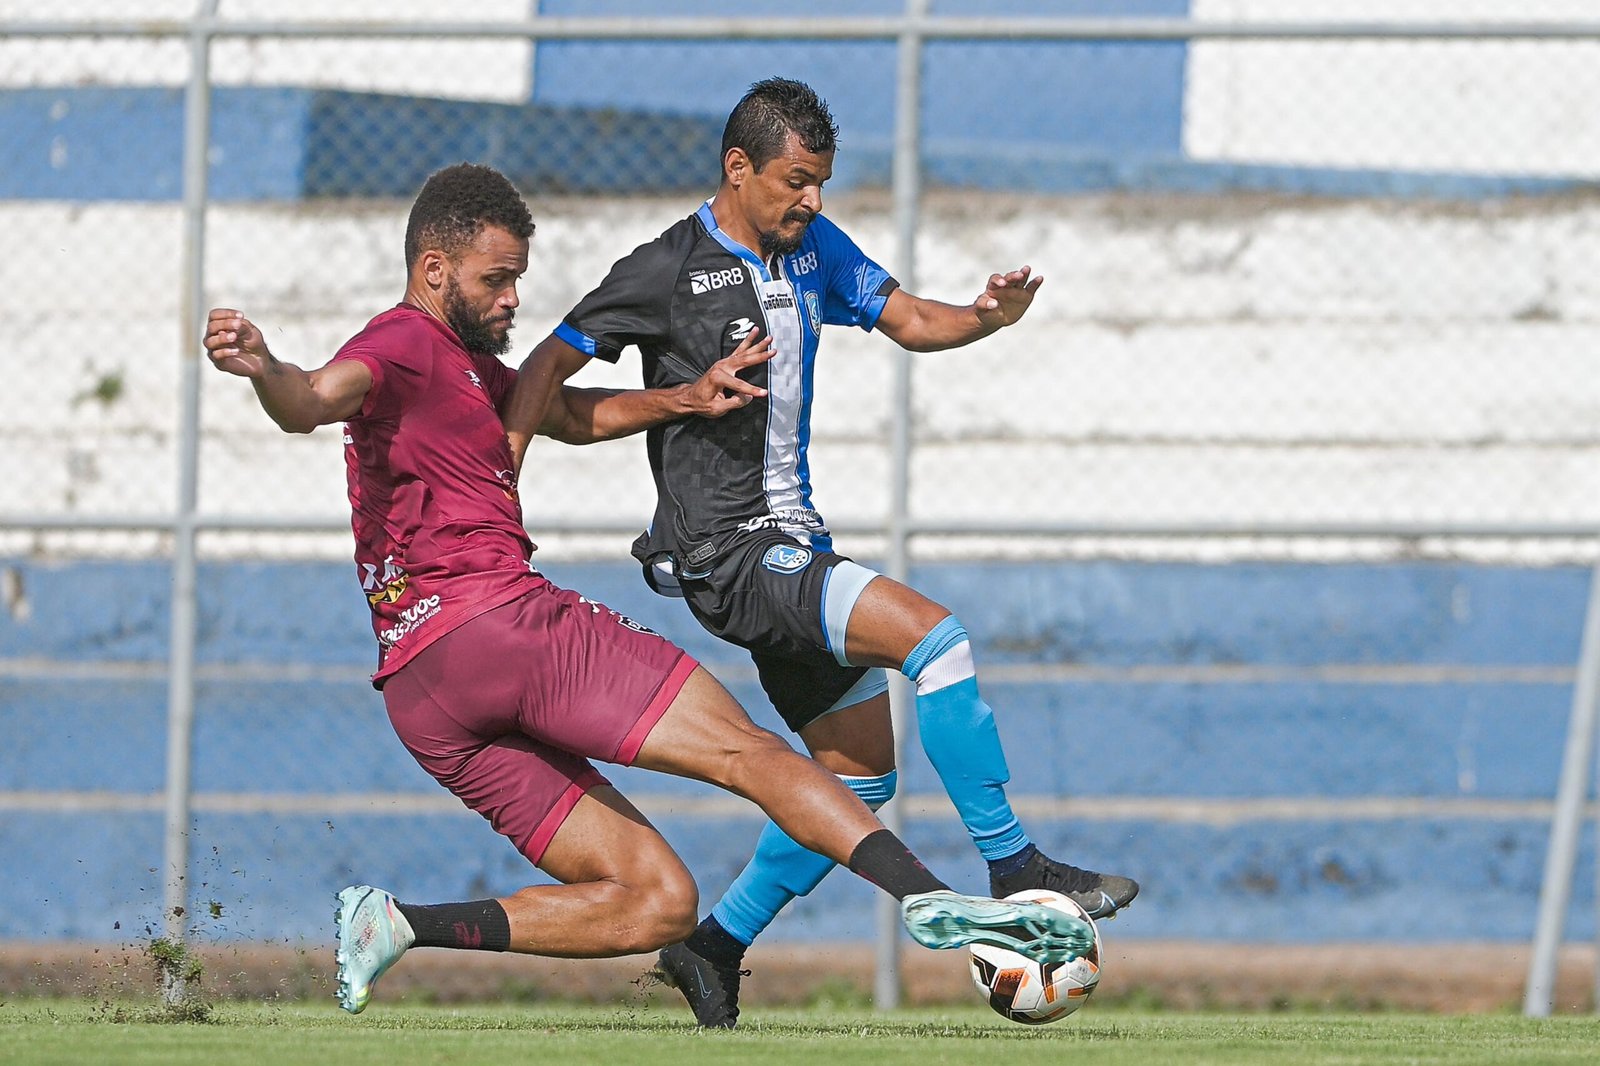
235, 344
721, 389
1006, 298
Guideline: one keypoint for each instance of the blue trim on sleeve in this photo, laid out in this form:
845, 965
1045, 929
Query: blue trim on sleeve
578, 340
874, 308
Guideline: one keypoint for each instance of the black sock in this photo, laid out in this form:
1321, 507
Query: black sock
882, 859
1012, 864
715, 944
481, 925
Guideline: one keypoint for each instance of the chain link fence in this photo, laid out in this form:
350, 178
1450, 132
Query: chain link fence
1304, 415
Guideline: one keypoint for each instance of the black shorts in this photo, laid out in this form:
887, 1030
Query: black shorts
765, 594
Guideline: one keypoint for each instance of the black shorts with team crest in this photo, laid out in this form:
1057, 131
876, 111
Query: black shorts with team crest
764, 593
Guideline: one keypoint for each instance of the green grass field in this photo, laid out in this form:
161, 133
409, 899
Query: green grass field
80, 1031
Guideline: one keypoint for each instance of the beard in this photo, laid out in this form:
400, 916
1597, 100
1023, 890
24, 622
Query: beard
775, 243
475, 331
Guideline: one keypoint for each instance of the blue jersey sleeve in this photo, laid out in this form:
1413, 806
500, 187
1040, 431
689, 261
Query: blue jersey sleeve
857, 288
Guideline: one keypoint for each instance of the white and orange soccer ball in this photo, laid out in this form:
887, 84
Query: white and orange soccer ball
1026, 991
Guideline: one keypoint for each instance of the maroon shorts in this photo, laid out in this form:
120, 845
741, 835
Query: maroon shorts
506, 709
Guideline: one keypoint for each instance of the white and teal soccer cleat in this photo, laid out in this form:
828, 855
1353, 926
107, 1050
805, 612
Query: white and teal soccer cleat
373, 934
950, 920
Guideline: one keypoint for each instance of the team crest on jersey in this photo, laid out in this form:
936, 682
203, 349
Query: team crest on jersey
786, 558
814, 310
385, 586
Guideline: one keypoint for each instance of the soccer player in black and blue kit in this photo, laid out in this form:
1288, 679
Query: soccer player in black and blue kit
759, 270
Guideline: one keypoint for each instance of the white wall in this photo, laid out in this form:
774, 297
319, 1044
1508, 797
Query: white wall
498, 70
1213, 359
1497, 107
1515, 107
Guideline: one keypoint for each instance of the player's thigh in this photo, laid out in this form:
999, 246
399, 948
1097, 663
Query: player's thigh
854, 741
559, 668
808, 687
606, 838
703, 731
524, 787
602, 682
887, 621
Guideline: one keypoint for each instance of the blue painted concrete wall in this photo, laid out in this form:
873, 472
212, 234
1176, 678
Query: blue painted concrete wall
1422, 878
293, 144
613, 117
1109, 98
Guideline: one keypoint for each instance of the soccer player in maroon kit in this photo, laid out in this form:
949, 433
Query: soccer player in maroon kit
504, 686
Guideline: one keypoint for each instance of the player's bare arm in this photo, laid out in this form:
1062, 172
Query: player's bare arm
929, 326
297, 400
585, 416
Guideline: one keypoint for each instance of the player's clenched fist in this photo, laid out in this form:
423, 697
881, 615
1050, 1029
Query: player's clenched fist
234, 344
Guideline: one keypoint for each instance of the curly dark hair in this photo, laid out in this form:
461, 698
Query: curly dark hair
762, 120
456, 203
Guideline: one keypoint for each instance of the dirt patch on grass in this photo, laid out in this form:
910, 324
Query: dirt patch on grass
1453, 978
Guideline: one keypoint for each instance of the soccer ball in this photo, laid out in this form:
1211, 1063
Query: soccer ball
1025, 991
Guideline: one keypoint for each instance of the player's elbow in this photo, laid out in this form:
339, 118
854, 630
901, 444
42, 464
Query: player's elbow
571, 433
294, 423
568, 426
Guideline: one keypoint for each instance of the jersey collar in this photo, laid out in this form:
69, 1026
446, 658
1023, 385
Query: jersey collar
709, 221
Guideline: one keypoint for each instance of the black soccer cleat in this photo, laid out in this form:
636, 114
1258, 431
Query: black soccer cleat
1100, 895
711, 989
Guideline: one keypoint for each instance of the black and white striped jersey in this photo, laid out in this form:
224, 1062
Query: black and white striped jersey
687, 299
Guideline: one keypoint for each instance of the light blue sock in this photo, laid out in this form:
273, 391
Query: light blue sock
960, 738
780, 870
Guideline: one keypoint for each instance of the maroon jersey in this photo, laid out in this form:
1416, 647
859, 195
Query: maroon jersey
439, 535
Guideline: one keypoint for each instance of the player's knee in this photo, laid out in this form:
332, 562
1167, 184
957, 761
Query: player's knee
680, 909
941, 657
669, 909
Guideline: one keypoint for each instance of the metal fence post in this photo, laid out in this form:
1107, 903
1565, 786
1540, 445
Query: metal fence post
907, 192
180, 674
1567, 823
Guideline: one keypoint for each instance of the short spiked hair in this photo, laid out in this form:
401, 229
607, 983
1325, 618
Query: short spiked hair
456, 203
762, 120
